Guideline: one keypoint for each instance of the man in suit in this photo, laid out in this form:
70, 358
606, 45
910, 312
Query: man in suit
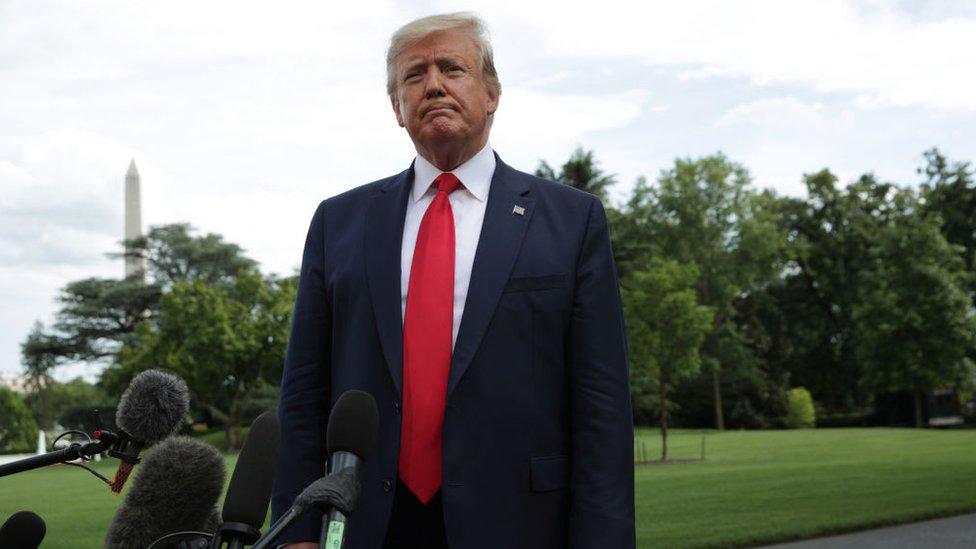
479, 306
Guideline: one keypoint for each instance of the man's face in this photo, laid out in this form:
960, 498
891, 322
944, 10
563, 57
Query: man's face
440, 94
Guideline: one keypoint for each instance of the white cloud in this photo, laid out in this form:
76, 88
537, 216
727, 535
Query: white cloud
828, 45
780, 112
243, 115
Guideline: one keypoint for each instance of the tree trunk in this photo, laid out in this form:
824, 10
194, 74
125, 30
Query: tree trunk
664, 420
717, 389
918, 408
233, 437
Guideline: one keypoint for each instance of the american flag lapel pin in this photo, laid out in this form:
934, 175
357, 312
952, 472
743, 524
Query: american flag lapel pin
518, 210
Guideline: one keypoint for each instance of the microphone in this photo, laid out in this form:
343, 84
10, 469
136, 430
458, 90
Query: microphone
249, 493
177, 489
349, 438
23, 530
150, 409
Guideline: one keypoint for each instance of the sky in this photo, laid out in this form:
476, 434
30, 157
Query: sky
242, 116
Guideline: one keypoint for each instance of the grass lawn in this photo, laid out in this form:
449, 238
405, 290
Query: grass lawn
761, 486
754, 486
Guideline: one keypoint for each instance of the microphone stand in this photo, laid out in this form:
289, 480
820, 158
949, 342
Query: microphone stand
106, 441
278, 527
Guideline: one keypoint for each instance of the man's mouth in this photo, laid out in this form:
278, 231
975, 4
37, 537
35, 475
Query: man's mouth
438, 109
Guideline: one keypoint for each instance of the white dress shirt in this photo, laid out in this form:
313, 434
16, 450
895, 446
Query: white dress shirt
468, 205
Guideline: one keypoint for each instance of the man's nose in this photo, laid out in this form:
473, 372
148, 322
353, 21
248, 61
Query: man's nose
435, 85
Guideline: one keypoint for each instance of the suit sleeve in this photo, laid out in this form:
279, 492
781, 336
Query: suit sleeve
602, 481
303, 403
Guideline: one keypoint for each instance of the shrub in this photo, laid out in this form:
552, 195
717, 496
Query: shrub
799, 408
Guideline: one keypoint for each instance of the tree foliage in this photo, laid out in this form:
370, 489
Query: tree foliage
913, 314
227, 342
949, 191
51, 404
581, 171
97, 316
703, 212
18, 431
174, 255
665, 328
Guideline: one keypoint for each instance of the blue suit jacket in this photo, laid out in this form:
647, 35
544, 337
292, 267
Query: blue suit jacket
538, 431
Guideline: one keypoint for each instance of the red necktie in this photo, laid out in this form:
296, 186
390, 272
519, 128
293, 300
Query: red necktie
427, 335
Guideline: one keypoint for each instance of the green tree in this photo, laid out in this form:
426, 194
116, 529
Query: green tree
50, 403
17, 428
829, 236
703, 212
39, 357
949, 191
666, 326
580, 171
913, 320
97, 316
227, 342
174, 254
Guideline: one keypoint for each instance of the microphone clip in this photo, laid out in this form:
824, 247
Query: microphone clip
234, 532
122, 446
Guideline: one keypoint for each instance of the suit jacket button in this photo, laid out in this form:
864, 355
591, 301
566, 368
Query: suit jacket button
396, 407
387, 485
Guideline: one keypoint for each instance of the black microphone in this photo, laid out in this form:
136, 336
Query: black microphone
249, 493
150, 409
23, 530
350, 439
177, 489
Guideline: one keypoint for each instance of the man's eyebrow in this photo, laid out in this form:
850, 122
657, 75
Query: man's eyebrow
450, 58
442, 59
410, 65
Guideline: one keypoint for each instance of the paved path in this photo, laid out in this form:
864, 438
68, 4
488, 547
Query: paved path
948, 533
7, 458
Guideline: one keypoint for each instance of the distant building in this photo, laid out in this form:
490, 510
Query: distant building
134, 266
16, 384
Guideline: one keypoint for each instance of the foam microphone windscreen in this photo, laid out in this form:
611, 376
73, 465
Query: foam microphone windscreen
151, 409
177, 489
23, 530
353, 424
249, 492
153, 406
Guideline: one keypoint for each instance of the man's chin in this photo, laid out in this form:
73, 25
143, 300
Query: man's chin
442, 134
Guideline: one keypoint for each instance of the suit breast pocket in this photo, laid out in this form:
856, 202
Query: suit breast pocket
535, 283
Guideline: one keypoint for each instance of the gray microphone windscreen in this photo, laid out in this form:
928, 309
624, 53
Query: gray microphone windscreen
249, 492
153, 406
177, 489
23, 530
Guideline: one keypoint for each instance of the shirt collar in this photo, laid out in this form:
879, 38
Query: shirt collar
475, 174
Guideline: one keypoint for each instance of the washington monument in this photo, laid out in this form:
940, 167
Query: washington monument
134, 266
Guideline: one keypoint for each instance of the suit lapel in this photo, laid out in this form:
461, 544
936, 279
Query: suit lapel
384, 233
498, 246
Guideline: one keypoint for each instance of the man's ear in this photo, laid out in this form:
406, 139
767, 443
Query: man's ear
396, 109
493, 97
